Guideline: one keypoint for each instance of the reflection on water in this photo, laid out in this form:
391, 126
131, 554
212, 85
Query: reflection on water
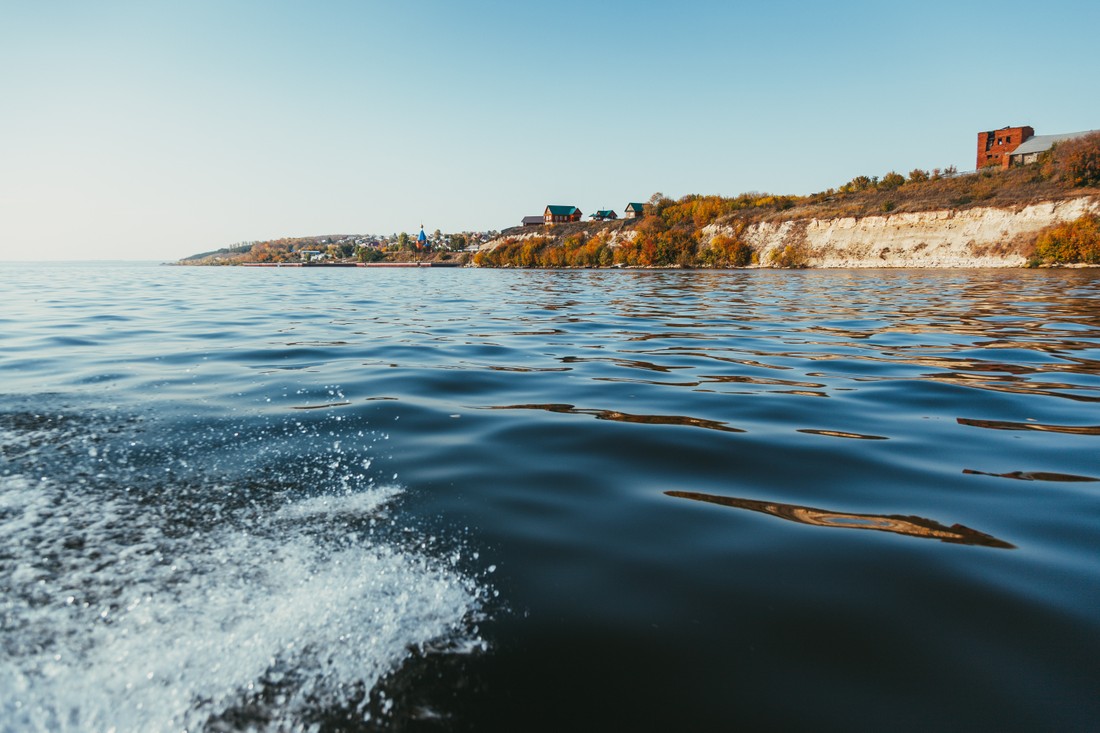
910, 526
842, 434
1009, 425
694, 422
1035, 476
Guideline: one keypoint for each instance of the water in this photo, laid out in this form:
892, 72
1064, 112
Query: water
244, 499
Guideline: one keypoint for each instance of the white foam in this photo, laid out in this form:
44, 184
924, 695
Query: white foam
113, 622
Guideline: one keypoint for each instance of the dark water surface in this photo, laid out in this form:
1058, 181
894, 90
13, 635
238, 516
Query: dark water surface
293, 499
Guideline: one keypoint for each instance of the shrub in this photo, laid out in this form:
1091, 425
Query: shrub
892, 180
859, 183
1077, 241
920, 176
790, 256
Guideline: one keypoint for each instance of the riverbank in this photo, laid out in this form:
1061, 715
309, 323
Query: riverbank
974, 237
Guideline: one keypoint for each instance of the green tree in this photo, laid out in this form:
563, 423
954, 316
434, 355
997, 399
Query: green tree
370, 254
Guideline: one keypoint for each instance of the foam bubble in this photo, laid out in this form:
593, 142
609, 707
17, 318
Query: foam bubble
116, 617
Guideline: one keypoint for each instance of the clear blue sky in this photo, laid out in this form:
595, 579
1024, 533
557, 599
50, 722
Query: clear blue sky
154, 129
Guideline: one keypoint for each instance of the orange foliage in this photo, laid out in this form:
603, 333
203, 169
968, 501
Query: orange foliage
1075, 241
1079, 160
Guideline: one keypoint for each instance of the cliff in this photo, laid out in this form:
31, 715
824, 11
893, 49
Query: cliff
975, 237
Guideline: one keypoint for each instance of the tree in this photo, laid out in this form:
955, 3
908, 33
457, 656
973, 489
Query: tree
370, 254
403, 241
1079, 160
918, 176
1074, 241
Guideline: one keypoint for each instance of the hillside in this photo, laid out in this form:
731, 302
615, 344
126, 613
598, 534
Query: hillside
989, 218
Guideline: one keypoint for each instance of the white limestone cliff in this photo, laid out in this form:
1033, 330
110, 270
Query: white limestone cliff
977, 237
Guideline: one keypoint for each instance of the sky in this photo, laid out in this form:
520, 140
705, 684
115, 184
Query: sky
152, 130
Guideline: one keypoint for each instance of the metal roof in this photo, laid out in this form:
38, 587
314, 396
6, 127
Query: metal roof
1040, 143
563, 210
534, 219
635, 207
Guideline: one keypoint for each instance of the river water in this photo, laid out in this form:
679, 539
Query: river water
344, 500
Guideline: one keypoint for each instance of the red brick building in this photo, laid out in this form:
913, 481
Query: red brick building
994, 146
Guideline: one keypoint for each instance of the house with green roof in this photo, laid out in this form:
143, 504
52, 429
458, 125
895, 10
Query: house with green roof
605, 215
634, 211
557, 214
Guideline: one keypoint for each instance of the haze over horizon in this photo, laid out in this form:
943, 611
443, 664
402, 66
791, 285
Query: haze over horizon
151, 131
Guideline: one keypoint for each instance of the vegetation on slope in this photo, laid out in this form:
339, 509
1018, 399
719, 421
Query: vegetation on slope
672, 234
1077, 241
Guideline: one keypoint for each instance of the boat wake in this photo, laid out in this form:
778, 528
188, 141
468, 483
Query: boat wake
132, 602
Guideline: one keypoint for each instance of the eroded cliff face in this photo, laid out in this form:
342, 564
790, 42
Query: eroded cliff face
978, 237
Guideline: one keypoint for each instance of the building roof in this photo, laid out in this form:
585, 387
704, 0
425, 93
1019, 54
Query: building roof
604, 214
636, 207
1040, 143
421, 237
563, 210
534, 219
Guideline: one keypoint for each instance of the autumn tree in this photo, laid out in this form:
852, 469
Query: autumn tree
1079, 160
1072, 242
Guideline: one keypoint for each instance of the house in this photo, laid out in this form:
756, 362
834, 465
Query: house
557, 214
994, 146
1030, 149
605, 215
634, 211
533, 221
1016, 145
